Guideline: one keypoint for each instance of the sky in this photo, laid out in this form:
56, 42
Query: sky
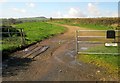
58, 9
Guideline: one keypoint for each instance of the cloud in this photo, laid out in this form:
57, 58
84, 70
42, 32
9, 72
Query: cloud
17, 10
3, 1
71, 13
58, 14
93, 10
75, 12
30, 5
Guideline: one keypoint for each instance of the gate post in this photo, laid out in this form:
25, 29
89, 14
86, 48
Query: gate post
76, 41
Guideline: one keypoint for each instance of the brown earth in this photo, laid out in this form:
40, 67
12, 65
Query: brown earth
57, 63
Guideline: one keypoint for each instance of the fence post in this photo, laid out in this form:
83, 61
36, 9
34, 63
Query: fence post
76, 41
9, 33
118, 40
22, 37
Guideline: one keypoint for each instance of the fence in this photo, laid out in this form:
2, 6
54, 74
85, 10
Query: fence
12, 37
102, 42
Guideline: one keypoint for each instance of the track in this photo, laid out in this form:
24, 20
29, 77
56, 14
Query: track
54, 60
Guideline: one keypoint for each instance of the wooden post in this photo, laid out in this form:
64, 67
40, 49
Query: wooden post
118, 41
9, 35
22, 37
51, 20
9, 32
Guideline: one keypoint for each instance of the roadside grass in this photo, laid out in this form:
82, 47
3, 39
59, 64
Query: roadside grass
86, 25
11, 43
103, 49
93, 26
37, 31
110, 62
34, 31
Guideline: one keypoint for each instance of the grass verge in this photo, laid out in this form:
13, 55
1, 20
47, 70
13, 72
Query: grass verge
109, 62
86, 25
37, 31
34, 31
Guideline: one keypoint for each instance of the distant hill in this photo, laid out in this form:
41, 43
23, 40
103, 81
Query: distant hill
10, 21
32, 19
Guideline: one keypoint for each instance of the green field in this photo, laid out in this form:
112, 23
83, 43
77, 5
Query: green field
89, 26
108, 61
34, 31
37, 31
103, 49
91, 23
93, 26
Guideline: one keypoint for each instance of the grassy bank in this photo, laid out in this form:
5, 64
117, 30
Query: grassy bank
37, 31
110, 62
89, 26
34, 31
91, 23
93, 26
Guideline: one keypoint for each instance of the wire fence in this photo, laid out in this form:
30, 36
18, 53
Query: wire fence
12, 38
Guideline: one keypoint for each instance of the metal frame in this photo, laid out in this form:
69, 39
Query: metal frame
93, 42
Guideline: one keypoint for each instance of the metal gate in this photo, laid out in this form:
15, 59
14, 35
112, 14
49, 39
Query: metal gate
104, 42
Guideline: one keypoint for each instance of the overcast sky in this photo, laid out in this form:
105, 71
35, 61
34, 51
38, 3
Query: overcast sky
61, 9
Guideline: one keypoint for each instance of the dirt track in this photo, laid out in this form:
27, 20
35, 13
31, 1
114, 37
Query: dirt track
57, 63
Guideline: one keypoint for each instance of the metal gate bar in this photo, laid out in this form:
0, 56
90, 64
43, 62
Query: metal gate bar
93, 42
